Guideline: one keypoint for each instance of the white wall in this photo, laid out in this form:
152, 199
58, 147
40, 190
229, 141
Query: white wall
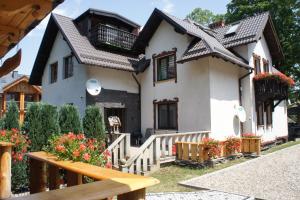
192, 87
70, 90
224, 94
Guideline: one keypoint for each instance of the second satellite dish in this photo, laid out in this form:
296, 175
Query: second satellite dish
240, 113
93, 87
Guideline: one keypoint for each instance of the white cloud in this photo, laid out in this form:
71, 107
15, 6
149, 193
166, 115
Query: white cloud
168, 6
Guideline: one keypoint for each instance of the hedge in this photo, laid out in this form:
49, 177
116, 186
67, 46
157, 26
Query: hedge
11, 119
69, 120
92, 122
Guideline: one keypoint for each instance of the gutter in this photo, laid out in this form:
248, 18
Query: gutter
140, 105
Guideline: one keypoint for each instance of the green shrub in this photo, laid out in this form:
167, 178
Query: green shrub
11, 119
41, 121
69, 120
19, 178
93, 125
2, 126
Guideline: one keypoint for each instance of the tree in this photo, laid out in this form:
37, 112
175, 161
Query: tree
204, 16
286, 18
92, 122
69, 120
11, 119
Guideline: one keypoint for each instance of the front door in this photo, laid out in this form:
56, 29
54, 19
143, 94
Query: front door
119, 112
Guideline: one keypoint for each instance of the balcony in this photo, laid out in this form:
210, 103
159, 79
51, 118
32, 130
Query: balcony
270, 90
269, 87
113, 37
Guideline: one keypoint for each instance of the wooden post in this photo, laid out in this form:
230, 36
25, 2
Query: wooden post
73, 179
4, 103
135, 195
54, 178
5, 170
22, 106
37, 176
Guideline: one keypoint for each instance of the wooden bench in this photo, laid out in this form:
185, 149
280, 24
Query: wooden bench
112, 182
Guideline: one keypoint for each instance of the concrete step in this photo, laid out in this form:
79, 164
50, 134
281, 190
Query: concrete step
167, 159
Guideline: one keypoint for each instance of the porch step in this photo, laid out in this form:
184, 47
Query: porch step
167, 159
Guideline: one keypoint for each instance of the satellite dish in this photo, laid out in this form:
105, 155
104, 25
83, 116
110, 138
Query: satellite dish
240, 113
93, 87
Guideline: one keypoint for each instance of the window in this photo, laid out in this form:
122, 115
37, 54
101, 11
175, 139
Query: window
269, 112
68, 67
53, 72
256, 64
166, 67
167, 115
266, 65
260, 114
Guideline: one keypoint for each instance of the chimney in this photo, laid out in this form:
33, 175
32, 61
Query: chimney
217, 24
14, 74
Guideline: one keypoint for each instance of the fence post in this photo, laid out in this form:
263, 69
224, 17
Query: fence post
127, 145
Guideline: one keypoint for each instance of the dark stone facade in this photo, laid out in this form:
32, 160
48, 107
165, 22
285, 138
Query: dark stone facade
130, 101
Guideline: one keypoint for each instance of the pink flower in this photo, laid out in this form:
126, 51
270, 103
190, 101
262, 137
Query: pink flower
108, 165
3, 133
71, 136
60, 148
86, 156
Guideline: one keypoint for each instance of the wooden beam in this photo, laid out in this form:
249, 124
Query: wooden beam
37, 176
5, 170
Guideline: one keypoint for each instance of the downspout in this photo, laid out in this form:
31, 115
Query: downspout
240, 93
140, 105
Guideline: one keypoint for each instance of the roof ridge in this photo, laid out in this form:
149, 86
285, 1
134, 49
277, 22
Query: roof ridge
56, 14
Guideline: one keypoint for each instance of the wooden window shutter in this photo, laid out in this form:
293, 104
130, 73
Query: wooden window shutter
260, 114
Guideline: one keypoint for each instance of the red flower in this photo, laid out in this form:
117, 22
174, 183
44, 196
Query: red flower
71, 136
80, 137
108, 165
76, 153
82, 147
86, 156
3, 133
60, 148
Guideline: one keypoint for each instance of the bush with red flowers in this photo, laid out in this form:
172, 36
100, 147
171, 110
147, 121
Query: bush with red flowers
19, 140
212, 146
79, 148
278, 76
232, 144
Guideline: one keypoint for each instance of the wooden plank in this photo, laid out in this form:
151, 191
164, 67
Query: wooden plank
37, 176
252, 146
96, 190
135, 195
258, 147
73, 179
201, 153
163, 146
170, 145
54, 178
95, 172
179, 150
194, 149
185, 152
5, 171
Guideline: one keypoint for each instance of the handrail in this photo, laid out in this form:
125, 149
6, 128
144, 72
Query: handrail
151, 140
117, 141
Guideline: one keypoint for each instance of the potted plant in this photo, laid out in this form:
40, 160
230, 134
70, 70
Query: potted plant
211, 148
232, 145
251, 143
78, 148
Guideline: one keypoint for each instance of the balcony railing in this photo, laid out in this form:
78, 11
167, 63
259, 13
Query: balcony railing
103, 34
270, 89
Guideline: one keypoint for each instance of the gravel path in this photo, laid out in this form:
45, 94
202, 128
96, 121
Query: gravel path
273, 176
201, 195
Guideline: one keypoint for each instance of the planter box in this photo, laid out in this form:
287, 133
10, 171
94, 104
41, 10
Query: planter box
251, 145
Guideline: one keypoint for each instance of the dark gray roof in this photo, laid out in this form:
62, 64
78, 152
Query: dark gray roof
250, 30
83, 50
86, 52
207, 45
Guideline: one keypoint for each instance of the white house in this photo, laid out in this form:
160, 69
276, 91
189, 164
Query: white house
174, 75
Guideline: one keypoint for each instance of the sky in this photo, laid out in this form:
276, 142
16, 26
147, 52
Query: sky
136, 10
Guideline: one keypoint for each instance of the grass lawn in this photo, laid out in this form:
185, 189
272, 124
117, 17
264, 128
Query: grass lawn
169, 176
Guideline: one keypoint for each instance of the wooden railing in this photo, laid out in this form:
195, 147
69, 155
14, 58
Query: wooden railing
157, 149
104, 34
112, 183
120, 149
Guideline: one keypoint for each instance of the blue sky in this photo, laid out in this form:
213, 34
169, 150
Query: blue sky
136, 10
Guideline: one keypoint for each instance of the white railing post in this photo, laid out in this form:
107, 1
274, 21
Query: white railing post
127, 145
157, 152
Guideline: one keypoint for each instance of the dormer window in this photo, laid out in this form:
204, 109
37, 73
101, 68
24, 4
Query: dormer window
232, 30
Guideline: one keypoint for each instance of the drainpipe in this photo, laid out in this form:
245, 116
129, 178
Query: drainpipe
140, 105
240, 93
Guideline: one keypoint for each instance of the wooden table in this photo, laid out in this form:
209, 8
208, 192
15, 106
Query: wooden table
112, 182
5, 169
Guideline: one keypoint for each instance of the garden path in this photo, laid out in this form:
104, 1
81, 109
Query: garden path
272, 176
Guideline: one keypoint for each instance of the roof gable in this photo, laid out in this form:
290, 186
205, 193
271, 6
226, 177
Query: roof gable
20, 80
81, 47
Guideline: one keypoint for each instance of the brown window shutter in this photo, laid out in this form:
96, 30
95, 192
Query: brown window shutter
260, 114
